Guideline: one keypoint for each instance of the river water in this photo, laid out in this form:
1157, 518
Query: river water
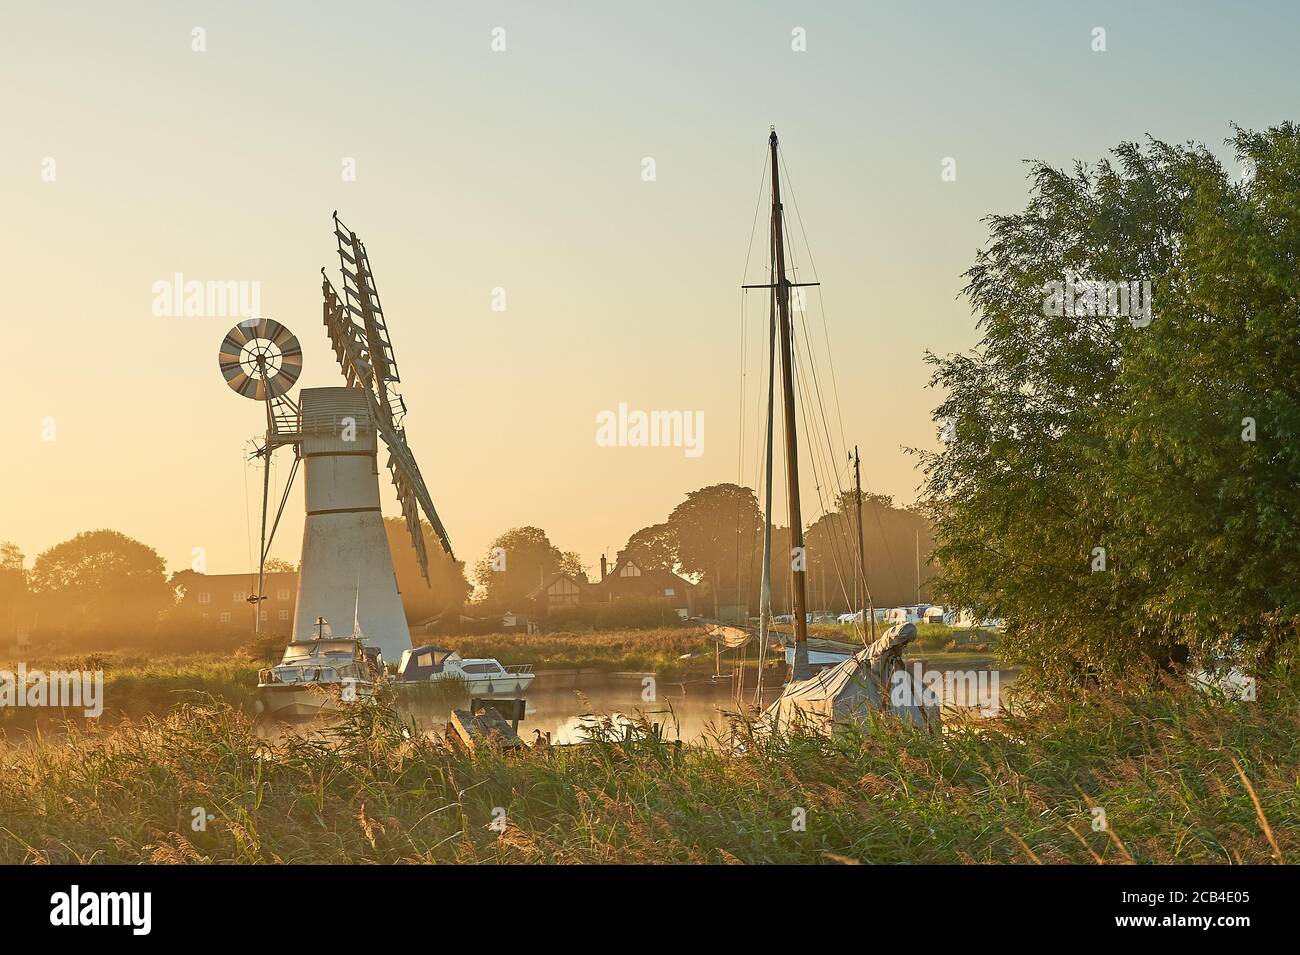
566, 703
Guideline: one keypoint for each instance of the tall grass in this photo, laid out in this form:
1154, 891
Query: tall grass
137, 683
1176, 771
649, 650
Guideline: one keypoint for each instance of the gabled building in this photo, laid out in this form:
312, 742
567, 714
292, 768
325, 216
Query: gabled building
630, 579
560, 591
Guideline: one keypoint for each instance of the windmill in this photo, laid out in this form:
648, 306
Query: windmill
346, 567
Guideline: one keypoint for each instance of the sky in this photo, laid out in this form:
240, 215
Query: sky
129, 156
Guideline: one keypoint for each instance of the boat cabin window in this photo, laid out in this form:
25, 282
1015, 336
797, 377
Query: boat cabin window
482, 668
424, 660
317, 648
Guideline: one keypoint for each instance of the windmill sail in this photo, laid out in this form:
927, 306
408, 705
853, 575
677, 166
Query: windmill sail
361, 300
358, 333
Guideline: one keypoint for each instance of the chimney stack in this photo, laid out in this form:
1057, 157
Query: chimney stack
602, 566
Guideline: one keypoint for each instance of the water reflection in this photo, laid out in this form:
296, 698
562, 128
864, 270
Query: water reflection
561, 703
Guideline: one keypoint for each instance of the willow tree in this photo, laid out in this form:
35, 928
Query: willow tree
1120, 477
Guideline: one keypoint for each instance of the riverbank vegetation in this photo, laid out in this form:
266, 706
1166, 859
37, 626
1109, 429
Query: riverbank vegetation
1170, 774
1119, 473
140, 681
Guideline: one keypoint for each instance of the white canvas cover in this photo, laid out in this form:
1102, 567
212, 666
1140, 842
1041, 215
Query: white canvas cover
868, 680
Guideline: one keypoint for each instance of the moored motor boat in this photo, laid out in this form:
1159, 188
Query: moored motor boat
482, 676
319, 676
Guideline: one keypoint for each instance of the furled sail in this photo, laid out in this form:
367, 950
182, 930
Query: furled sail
729, 637
874, 678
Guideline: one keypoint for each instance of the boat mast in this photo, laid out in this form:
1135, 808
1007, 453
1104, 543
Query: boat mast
781, 292
918, 567
862, 551
765, 591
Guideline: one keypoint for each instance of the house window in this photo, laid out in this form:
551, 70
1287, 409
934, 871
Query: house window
203, 616
239, 596
225, 617
284, 615
282, 593
630, 570
669, 592
205, 598
264, 615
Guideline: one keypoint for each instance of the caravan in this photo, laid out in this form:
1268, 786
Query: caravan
901, 615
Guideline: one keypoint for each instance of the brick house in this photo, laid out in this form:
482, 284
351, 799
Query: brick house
223, 598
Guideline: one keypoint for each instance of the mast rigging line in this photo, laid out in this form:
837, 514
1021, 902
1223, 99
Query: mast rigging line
831, 363
835, 535
744, 348
889, 552
809, 380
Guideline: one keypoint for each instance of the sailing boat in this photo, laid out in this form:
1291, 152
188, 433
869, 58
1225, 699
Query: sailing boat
874, 677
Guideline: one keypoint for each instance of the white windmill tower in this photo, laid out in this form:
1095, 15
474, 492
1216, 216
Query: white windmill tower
346, 573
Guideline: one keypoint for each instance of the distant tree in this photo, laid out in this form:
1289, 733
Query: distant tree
13, 585
278, 565
516, 563
1123, 491
446, 589
891, 536
101, 579
719, 535
653, 548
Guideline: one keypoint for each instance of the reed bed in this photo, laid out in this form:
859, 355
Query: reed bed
659, 650
137, 683
1182, 776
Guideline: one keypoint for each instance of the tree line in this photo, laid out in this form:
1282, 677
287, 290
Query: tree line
105, 582
714, 538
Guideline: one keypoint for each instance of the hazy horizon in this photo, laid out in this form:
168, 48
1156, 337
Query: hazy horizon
522, 170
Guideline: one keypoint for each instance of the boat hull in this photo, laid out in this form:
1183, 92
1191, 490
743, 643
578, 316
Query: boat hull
287, 701
511, 685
